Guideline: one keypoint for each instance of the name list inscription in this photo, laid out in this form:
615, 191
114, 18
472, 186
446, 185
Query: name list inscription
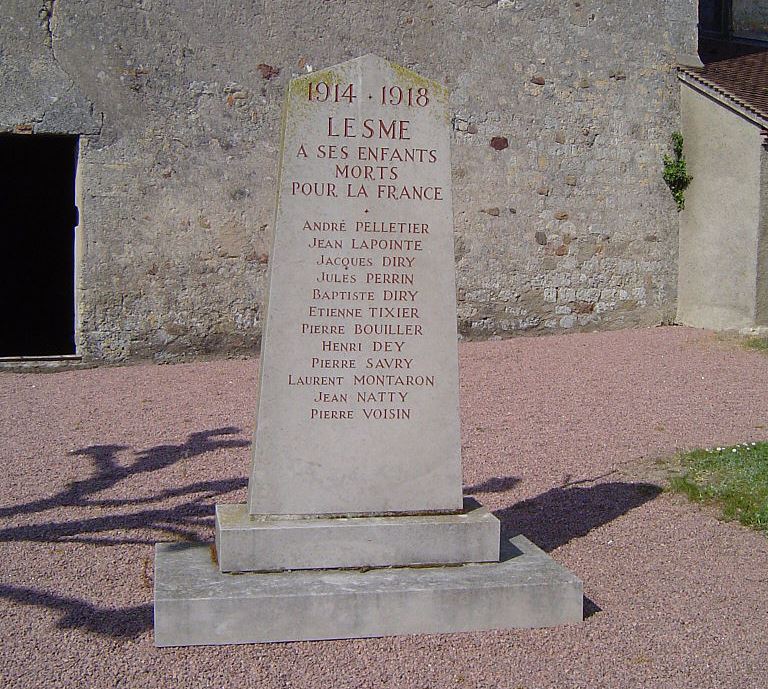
364, 306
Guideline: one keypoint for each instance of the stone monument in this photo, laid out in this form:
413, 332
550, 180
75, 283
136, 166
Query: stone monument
355, 523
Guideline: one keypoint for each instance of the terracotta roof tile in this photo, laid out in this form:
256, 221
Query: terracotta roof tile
737, 71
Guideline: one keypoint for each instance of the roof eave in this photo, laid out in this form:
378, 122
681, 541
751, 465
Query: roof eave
722, 96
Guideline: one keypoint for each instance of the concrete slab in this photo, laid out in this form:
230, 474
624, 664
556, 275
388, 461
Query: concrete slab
245, 543
196, 604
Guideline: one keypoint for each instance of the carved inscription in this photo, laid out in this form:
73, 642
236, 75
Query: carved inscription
367, 291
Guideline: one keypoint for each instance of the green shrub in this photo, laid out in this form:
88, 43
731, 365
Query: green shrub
675, 172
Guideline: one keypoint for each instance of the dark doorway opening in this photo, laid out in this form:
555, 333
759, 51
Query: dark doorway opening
38, 217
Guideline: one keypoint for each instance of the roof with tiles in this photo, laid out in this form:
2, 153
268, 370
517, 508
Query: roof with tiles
739, 72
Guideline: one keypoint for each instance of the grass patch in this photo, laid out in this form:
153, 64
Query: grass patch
758, 343
735, 477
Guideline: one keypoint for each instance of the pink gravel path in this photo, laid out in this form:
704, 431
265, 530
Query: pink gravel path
99, 464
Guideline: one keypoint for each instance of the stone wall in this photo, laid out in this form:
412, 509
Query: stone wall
750, 19
562, 113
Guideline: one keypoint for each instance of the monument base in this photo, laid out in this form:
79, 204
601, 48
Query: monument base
252, 544
196, 604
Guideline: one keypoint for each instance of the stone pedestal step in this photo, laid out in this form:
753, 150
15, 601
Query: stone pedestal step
196, 604
248, 544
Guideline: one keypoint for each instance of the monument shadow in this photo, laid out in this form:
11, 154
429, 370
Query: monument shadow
561, 514
568, 511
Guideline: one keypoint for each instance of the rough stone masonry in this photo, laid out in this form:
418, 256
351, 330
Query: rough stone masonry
561, 113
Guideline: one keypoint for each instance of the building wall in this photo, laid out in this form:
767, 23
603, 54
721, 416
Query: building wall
721, 224
761, 307
750, 19
178, 104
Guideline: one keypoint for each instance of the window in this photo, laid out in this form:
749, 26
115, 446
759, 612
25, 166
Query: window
715, 17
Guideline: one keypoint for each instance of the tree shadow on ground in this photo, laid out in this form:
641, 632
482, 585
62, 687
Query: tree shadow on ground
181, 521
108, 472
123, 623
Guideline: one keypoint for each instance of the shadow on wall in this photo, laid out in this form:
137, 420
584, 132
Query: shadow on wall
712, 50
549, 520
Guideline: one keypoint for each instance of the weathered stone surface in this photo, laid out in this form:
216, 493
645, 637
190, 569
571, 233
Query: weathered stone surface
180, 132
248, 544
196, 604
750, 19
358, 390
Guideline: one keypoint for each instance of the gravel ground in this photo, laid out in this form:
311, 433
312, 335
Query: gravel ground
558, 437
